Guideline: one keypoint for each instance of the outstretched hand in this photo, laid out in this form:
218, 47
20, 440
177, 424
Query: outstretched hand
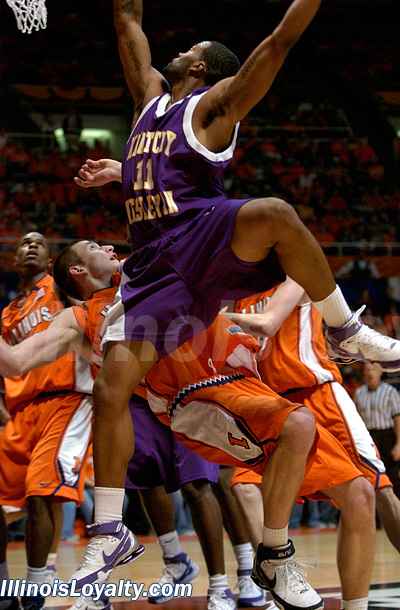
98, 173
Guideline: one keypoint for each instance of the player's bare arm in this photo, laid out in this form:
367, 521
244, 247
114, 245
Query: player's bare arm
4, 414
279, 306
98, 173
143, 80
395, 451
230, 100
62, 336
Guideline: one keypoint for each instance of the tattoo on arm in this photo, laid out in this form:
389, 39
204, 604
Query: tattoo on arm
247, 66
130, 8
131, 48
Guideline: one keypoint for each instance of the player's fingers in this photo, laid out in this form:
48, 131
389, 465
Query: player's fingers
90, 164
80, 182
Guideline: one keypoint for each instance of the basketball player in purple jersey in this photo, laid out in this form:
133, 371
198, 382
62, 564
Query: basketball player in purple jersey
195, 249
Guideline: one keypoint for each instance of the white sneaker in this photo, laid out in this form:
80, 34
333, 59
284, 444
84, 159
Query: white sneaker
177, 570
221, 600
111, 545
250, 596
276, 571
50, 575
355, 341
86, 603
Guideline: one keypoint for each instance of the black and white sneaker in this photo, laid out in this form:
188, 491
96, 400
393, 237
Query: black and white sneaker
276, 571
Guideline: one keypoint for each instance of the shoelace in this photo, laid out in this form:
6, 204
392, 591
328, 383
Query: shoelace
245, 584
295, 573
91, 550
214, 599
357, 314
369, 334
342, 359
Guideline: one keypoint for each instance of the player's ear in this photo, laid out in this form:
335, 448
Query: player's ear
197, 70
77, 270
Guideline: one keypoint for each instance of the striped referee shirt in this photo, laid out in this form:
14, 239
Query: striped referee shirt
378, 407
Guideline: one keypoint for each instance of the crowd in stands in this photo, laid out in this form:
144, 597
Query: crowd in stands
373, 48
336, 186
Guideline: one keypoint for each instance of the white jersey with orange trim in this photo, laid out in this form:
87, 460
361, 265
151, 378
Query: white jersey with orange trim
294, 363
298, 348
21, 320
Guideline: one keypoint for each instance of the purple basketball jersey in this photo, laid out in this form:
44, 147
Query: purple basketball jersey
167, 176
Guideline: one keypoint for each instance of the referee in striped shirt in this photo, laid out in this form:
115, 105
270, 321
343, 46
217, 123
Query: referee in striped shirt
379, 405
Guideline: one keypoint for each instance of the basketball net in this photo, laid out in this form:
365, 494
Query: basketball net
30, 14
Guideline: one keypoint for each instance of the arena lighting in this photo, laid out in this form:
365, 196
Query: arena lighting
89, 135
95, 134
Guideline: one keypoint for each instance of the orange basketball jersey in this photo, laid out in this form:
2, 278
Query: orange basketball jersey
91, 314
216, 353
33, 316
220, 348
296, 356
90, 317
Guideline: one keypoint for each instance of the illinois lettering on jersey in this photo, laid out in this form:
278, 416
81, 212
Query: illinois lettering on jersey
296, 356
166, 171
20, 322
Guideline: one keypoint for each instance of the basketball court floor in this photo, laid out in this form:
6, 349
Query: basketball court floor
310, 543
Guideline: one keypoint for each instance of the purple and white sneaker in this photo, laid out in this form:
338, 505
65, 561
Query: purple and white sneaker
221, 600
111, 545
87, 603
356, 341
250, 596
177, 570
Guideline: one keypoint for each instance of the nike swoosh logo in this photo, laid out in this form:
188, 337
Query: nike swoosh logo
123, 546
42, 484
352, 349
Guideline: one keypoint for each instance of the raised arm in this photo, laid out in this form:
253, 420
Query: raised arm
230, 100
279, 306
143, 80
62, 336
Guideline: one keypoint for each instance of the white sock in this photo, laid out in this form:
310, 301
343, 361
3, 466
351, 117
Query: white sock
4, 576
51, 559
218, 582
244, 556
272, 538
334, 309
108, 503
35, 575
170, 544
355, 604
